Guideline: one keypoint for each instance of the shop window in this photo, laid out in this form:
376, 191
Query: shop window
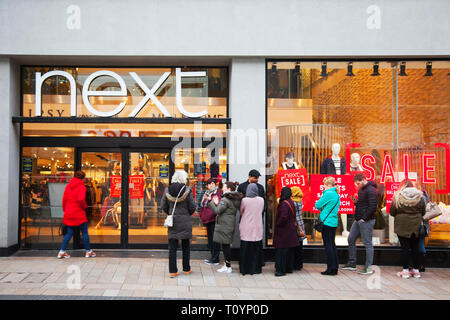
45, 173
352, 110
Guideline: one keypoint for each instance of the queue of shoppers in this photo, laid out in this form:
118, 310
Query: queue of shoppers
242, 206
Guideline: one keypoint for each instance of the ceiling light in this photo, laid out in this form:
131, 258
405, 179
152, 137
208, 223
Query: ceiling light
429, 67
274, 68
350, 70
376, 66
297, 68
324, 69
402, 72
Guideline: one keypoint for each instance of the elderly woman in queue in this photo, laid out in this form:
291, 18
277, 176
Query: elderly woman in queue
328, 204
285, 237
251, 231
178, 192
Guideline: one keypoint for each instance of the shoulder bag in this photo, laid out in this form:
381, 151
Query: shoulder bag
432, 211
300, 232
168, 223
318, 223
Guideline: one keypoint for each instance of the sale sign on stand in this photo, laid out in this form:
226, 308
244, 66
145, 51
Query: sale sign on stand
295, 177
136, 187
391, 187
347, 189
116, 186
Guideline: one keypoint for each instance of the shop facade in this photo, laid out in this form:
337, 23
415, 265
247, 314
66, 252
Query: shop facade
218, 107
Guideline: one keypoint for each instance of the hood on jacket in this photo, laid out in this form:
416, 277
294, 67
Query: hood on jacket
74, 183
408, 197
370, 183
235, 197
173, 191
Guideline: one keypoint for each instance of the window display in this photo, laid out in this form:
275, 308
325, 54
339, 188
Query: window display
382, 124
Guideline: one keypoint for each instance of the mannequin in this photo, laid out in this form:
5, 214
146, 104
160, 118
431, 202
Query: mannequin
290, 163
354, 163
334, 164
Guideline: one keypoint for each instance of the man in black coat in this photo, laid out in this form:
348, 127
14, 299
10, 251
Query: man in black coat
253, 177
365, 209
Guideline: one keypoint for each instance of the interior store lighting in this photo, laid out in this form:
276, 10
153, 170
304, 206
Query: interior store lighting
350, 70
274, 67
376, 66
429, 72
324, 69
297, 68
402, 72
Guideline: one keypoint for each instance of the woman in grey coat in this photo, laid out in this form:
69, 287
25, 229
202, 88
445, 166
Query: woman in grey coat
225, 212
180, 193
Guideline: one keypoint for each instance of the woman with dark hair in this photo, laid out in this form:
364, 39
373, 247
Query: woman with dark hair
74, 207
408, 208
225, 212
209, 220
285, 238
251, 231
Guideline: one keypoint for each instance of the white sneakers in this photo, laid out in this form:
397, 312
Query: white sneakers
225, 269
405, 274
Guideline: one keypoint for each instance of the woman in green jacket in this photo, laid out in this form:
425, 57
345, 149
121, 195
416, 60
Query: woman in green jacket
328, 205
225, 212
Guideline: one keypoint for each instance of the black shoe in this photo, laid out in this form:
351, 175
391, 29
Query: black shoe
329, 273
279, 274
212, 263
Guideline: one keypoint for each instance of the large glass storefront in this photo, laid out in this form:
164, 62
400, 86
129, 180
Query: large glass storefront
387, 119
128, 156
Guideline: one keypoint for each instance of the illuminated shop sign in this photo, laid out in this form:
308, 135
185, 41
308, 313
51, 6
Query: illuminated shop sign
387, 171
149, 93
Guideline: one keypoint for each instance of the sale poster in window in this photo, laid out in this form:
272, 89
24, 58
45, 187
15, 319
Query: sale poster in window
295, 177
136, 186
347, 189
116, 186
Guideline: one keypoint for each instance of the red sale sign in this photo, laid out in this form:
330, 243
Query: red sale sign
347, 188
298, 178
136, 187
391, 187
116, 186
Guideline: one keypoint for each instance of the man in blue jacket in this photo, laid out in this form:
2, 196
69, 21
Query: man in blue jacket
365, 209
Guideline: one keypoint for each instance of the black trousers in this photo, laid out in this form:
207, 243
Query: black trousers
173, 246
328, 237
407, 245
298, 260
226, 252
213, 247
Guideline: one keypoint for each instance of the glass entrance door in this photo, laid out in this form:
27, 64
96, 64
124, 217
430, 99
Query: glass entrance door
148, 177
103, 195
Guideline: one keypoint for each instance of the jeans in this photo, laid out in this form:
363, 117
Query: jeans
69, 234
328, 237
173, 246
365, 230
406, 245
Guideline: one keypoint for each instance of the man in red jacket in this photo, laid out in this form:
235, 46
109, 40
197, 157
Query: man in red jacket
74, 207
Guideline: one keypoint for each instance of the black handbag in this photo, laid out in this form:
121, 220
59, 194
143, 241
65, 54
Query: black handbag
63, 229
423, 232
318, 223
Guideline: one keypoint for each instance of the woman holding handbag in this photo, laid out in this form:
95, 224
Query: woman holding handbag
408, 209
285, 238
178, 201
328, 204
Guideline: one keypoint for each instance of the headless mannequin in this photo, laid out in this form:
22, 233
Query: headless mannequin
290, 163
354, 164
336, 148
